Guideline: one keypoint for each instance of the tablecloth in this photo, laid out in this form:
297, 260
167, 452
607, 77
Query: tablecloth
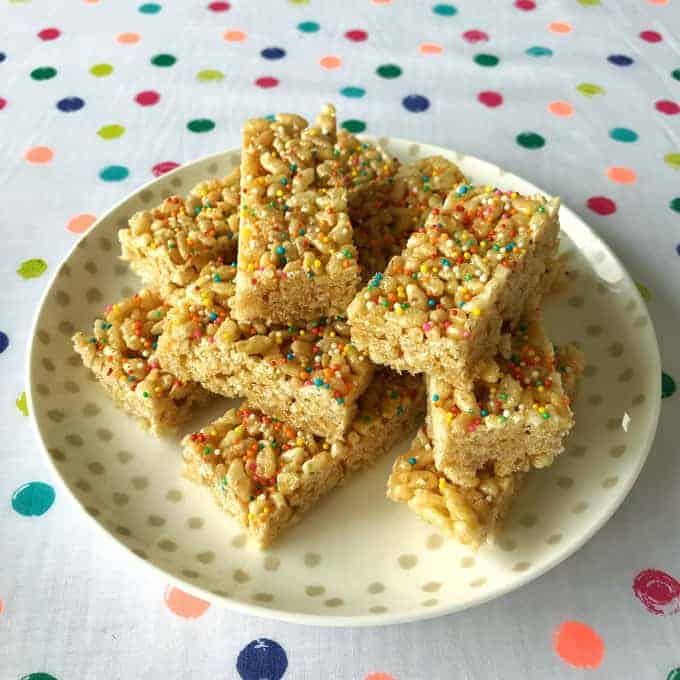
98, 96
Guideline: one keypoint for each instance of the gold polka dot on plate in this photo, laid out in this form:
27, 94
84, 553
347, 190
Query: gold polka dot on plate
314, 591
407, 561
312, 559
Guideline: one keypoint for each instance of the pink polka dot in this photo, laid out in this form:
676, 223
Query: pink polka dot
379, 676
356, 35
667, 106
559, 27
3, 103
601, 205
490, 98
234, 35
562, 109
80, 223
49, 34
219, 6
430, 48
382, 2
525, 5
651, 36
163, 167
330, 62
266, 82
579, 645
184, 605
2, 606
128, 38
147, 98
39, 155
658, 591
621, 175
474, 36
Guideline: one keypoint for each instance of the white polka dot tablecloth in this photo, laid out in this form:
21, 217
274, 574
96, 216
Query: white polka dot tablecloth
97, 97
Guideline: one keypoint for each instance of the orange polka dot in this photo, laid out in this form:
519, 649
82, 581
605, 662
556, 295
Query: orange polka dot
39, 155
621, 175
579, 645
430, 48
80, 223
234, 35
92, 2
657, 2
184, 605
559, 27
128, 38
2, 606
562, 109
382, 2
330, 62
379, 676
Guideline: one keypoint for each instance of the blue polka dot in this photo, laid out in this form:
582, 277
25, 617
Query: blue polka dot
416, 103
538, 51
619, 60
621, 134
444, 10
353, 92
150, 8
262, 659
70, 104
677, 249
3, 56
271, 117
273, 53
114, 173
33, 499
4, 342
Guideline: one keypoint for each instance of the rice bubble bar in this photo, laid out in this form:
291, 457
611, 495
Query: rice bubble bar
473, 265
267, 473
296, 255
121, 353
308, 374
168, 246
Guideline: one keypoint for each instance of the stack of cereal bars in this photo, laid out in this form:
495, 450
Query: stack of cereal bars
250, 281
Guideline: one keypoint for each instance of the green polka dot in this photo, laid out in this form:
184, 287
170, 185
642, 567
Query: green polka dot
150, 8
668, 385
209, 74
672, 159
38, 676
101, 70
388, 71
298, 2
308, 27
676, 74
675, 204
589, 89
625, 135
353, 92
644, 291
201, 125
353, 125
486, 59
530, 140
589, 3
21, 404
111, 131
444, 10
163, 60
32, 269
43, 73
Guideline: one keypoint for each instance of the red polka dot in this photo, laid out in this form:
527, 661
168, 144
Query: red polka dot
490, 98
147, 98
356, 35
475, 36
651, 36
601, 205
658, 591
219, 6
266, 82
526, 5
184, 605
667, 106
49, 34
163, 167
3, 103
579, 645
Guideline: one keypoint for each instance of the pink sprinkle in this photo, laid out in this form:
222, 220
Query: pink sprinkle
466, 334
427, 326
197, 333
108, 308
211, 339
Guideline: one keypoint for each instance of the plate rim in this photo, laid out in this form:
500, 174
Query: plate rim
359, 620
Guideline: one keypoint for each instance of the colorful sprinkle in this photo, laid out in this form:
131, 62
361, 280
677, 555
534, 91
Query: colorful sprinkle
33, 268
308, 26
658, 591
389, 71
266, 82
601, 205
444, 10
33, 499
114, 173
147, 98
184, 605
538, 51
209, 74
163, 60
262, 658
111, 131
353, 125
273, 53
668, 107
22, 404
561, 109
101, 70
163, 167
43, 73
578, 645
330, 62
668, 385
486, 60
589, 89
70, 104
625, 135
353, 92
200, 125
621, 175
651, 36
490, 98
49, 34
78, 224
356, 35
619, 60
530, 140
234, 35
416, 103
4, 341
39, 155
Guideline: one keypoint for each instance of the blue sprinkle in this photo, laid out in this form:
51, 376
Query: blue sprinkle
318, 382
212, 316
412, 460
462, 190
435, 397
290, 356
432, 303
280, 250
484, 413
340, 400
308, 369
217, 278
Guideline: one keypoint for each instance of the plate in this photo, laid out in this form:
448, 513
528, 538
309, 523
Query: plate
356, 559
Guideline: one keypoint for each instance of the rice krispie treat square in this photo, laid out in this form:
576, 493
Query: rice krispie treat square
440, 305
168, 246
385, 218
121, 353
469, 514
296, 256
266, 473
308, 374
513, 417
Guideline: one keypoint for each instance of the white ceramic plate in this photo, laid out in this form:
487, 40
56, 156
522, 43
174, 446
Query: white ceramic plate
357, 559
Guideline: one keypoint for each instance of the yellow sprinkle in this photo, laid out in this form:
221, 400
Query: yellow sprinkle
513, 194
279, 193
251, 267
488, 187
399, 311
476, 311
317, 264
467, 256
302, 332
326, 445
424, 268
442, 483
299, 441
540, 388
